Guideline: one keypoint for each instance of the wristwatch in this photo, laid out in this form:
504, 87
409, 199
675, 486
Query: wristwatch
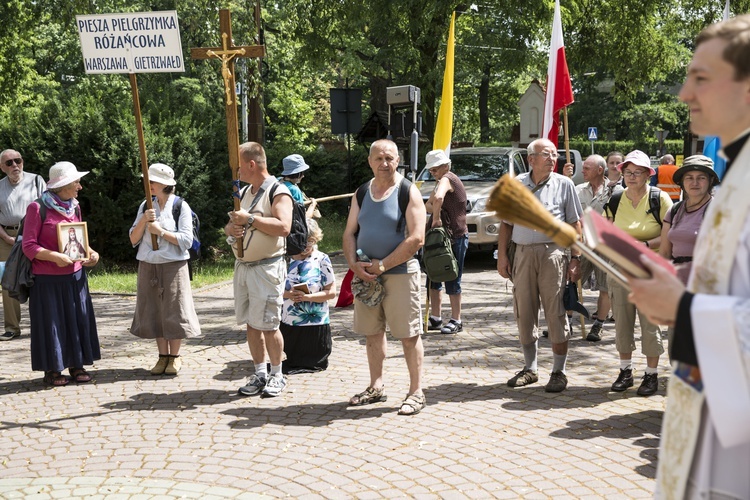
576, 257
250, 220
381, 267
163, 232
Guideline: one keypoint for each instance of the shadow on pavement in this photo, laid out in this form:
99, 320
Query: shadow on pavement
643, 428
307, 415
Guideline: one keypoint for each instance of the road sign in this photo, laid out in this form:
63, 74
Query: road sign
592, 133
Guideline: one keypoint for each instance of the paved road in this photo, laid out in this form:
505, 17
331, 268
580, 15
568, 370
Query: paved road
131, 435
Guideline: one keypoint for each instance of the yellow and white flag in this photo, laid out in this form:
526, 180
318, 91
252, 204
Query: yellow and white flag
444, 125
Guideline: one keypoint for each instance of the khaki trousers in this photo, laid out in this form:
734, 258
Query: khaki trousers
539, 275
624, 313
11, 307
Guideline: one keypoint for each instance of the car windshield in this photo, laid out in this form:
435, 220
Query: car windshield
474, 167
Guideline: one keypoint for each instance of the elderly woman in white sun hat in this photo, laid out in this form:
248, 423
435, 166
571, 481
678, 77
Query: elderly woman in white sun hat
63, 326
164, 308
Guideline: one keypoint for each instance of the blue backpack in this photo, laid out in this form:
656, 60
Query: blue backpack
195, 248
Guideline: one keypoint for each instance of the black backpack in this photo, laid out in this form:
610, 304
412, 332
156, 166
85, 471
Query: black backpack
296, 241
654, 204
403, 199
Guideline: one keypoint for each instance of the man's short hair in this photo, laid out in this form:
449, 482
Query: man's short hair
736, 32
667, 160
599, 160
7, 151
252, 151
542, 142
387, 141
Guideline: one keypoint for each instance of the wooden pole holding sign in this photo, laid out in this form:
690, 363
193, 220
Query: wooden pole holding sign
142, 148
227, 53
134, 42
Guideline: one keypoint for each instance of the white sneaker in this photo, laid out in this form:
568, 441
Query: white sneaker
275, 386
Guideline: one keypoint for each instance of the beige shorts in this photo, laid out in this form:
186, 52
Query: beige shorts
259, 293
400, 311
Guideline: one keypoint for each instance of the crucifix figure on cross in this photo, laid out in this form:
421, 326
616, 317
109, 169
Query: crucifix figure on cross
227, 53
226, 56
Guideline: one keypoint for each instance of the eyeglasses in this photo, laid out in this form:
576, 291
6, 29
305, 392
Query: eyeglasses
628, 173
545, 155
9, 163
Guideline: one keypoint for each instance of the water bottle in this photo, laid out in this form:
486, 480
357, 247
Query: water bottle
362, 257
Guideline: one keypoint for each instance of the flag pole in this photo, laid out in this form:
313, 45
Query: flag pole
579, 284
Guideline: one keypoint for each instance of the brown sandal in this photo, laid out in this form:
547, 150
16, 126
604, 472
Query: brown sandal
55, 379
79, 375
368, 396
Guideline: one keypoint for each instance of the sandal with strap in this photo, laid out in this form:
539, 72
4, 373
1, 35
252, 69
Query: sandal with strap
80, 375
55, 379
368, 396
413, 404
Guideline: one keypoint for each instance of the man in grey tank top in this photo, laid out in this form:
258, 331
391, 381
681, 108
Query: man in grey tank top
17, 190
387, 248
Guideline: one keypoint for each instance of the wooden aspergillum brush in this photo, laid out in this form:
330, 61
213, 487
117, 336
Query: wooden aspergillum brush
515, 204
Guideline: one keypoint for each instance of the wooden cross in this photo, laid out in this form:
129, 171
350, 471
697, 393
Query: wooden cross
227, 53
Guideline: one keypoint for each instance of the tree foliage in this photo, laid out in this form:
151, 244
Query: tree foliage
625, 57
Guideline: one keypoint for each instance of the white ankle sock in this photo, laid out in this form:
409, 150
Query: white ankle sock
626, 364
261, 371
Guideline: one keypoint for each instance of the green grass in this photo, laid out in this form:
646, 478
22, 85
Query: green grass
333, 230
122, 279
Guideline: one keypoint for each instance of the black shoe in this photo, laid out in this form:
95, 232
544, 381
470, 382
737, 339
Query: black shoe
624, 380
10, 335
522, 378
649, 386
595, 334
557, 382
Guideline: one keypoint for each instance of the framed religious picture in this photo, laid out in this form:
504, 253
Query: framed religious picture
73, 240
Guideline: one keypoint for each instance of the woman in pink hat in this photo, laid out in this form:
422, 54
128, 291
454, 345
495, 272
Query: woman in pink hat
638, 211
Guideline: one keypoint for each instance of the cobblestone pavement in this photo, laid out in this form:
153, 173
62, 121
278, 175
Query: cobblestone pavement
131, 435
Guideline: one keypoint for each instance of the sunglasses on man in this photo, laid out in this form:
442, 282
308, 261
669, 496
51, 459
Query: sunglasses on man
9, 163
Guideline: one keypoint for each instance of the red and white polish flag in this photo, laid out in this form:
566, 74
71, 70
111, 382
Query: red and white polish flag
559, 88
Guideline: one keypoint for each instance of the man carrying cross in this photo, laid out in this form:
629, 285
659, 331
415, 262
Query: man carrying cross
260, 225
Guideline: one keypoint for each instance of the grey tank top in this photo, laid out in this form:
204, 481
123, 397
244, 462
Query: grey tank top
377, 227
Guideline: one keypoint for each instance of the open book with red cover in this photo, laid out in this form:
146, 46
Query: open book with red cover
623, 250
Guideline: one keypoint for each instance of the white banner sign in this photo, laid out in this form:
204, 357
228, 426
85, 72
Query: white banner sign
141, 42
